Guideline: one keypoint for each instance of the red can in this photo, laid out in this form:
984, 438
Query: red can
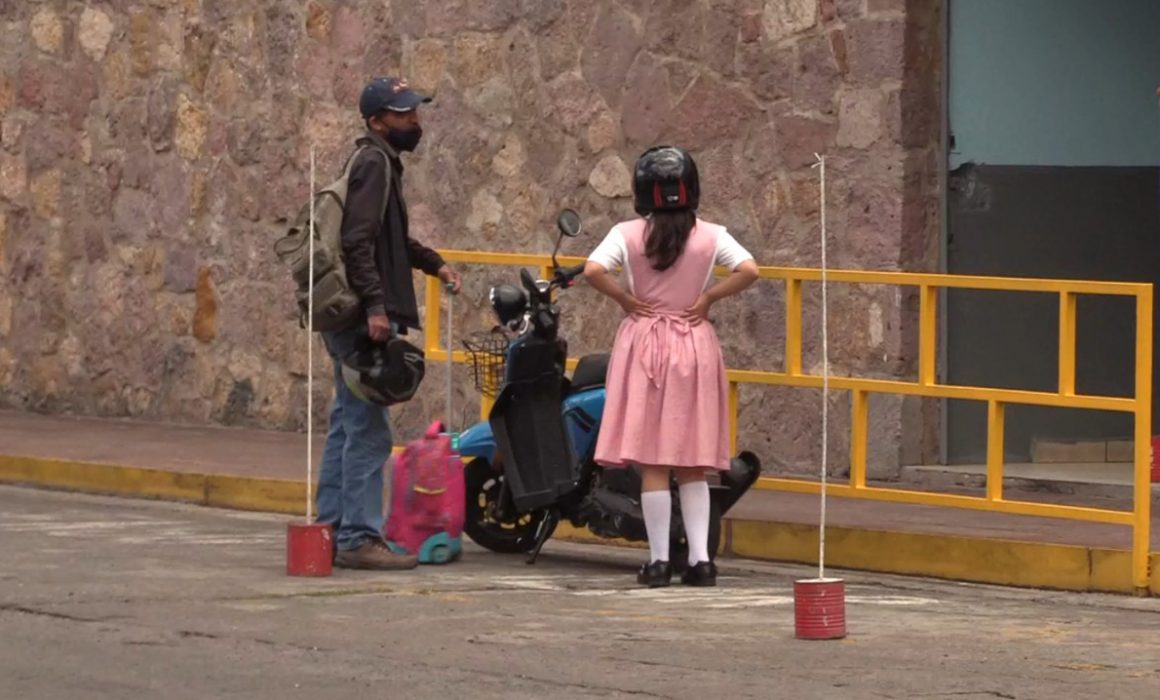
309, 549
819, 607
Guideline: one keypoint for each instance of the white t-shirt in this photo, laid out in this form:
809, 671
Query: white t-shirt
613, 251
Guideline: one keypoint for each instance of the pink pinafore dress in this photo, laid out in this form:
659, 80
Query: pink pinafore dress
667, 394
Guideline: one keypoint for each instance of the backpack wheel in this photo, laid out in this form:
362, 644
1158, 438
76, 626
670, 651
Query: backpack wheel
441, 554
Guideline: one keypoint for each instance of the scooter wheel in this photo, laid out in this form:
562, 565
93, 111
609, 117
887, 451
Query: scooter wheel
482, 484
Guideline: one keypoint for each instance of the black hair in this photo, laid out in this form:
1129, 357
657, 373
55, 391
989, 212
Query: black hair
666, 236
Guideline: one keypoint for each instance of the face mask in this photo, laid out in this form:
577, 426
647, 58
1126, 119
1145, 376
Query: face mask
405, 140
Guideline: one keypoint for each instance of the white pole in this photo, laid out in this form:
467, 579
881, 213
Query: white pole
450, 349
310, 356
821, 165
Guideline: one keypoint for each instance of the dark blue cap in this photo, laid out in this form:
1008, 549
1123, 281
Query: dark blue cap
389, 94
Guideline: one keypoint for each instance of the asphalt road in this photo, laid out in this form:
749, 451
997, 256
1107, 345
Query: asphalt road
107, 598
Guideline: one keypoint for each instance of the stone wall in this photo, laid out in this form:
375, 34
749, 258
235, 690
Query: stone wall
152, 150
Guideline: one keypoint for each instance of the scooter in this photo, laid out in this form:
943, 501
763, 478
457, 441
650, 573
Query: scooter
531, 463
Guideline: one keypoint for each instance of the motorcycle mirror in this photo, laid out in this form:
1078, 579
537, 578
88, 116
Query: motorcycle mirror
569, 223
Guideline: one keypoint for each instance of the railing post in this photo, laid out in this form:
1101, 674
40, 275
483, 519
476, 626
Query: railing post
859, 429
927, 334
1067, 306
793, 327
1142, 485
431, 322
996, 427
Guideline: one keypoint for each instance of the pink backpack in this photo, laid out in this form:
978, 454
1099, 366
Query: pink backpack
427, 499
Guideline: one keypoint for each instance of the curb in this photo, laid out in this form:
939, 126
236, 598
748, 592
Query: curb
951, 557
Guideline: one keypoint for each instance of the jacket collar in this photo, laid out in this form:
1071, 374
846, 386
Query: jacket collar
371, 137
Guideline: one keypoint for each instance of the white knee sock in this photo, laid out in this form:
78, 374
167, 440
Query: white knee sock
695, 512
658, 512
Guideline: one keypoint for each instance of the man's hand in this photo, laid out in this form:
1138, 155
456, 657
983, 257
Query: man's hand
451, 279
379, 327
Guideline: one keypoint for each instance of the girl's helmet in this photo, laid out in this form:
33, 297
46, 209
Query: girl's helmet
665, 179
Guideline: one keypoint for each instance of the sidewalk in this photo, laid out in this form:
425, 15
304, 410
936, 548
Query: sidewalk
265, 470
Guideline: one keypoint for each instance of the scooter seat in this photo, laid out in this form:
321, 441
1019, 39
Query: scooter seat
590, 372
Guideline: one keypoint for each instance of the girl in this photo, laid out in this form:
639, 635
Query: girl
667, 396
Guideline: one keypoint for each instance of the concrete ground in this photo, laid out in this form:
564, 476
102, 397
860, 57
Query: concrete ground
108, 598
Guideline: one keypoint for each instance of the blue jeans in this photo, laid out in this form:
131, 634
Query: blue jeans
350, 485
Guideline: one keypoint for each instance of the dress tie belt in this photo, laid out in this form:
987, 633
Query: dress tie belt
657, 348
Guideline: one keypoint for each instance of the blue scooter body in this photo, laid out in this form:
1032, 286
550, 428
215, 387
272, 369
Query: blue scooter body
478, 441
582, 412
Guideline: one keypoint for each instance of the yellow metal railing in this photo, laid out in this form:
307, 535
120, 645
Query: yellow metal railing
927, 385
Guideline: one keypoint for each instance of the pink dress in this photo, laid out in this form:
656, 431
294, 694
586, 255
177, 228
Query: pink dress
667, 395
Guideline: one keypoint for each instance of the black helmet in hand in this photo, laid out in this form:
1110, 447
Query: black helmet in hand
384, 373
665, 179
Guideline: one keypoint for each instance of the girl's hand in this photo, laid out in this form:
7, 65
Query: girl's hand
600, 280
698, 312
634, 307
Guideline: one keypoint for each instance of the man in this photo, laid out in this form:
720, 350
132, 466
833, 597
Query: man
379, 254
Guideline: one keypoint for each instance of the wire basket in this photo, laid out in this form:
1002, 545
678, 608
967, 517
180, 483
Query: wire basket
488, 354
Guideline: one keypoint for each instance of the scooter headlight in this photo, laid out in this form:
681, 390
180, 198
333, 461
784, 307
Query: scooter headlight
509, 303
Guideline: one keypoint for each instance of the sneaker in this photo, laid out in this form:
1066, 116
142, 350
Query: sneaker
702, 574
374, 554
655, 575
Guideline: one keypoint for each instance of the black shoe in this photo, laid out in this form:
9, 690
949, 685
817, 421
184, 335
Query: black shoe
703, 574
655, 575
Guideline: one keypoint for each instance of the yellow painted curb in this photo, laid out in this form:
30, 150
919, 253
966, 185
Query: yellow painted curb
246, 493
1003, 562
565, 531
1111, 571
109, 479
979, 560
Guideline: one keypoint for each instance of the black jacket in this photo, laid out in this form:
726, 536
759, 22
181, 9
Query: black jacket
380, 253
